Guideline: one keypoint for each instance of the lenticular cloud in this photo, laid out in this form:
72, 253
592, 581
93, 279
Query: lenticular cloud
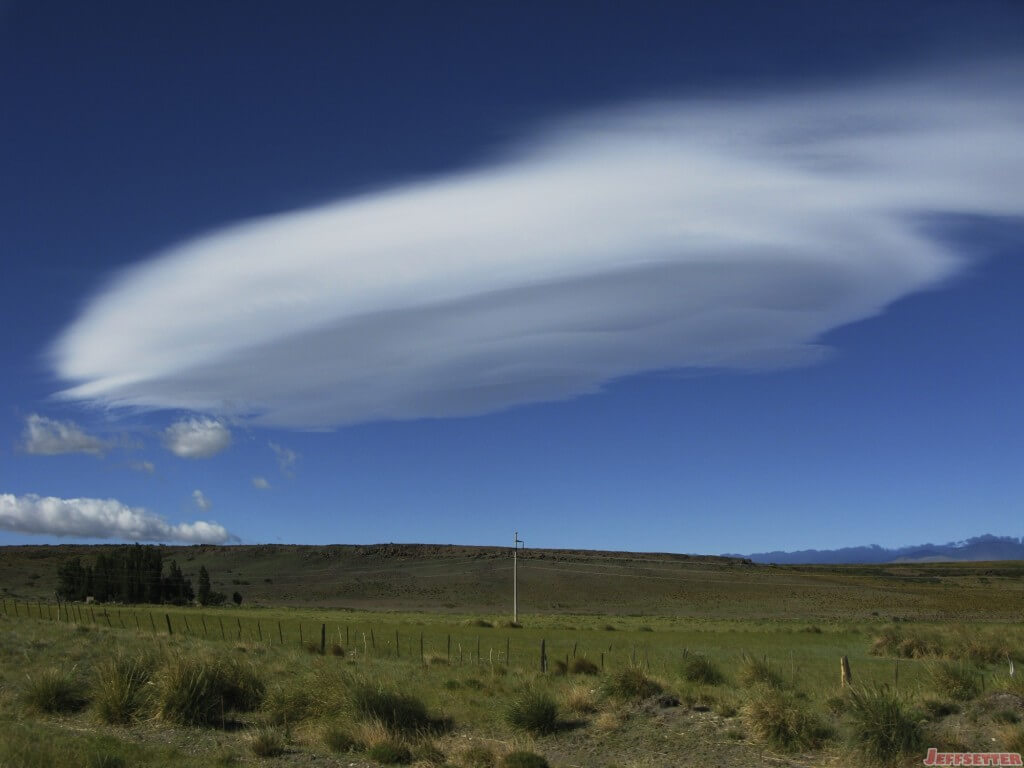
707, 234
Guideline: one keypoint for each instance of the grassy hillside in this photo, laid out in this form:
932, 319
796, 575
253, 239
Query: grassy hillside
459, 579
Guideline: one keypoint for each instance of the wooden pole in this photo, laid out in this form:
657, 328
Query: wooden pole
478, 650
373, 640
508, 648
188, 629
259, 630
323, 638
398, 653
151, 622
138, 625
222, 635
845, 678
280, 633
449, 649
203, 619
170, 631
543, 656
896, 675
301, 641
239, 627
421, 648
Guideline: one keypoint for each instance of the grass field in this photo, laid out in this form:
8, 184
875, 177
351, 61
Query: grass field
752, 678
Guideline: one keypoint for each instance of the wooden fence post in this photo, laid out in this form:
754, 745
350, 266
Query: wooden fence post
151, 622
398, 652
237, 619
188, 629
323, 638
845, 678
301, 640
449, 649
508, 648
373, 640
543, 656
280, 634
222, 635
203, 619
422, 659
259, 630
478, 650
170, 631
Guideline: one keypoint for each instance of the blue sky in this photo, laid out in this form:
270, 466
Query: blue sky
677, 277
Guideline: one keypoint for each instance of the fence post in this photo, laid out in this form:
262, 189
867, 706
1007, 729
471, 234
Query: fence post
543, 656
896, 675
449, 649
508, 648
222, 635
170, 631
239, 627
151, 622
398, 652
574, 650
845, 678
280, 634
421, 648
259, 630
478, 650
188, 629
203, 619
373, 640
323, 638
301, 640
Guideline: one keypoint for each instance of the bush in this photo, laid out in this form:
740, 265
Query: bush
338, 739
631, 683
882, 727
188, 692
287, 705
936, 709
957, 681
477, 756
479, 623
397, 711
120, 689
700, 669
580, 700
54, 691
267, 742
241, 686
533, 711
780, 720
755, 671
582, 666
523, 759
389, 752
196, 691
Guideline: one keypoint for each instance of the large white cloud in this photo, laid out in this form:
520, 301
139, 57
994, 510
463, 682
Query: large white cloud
197, 438
100, 519
717, 233
49, 437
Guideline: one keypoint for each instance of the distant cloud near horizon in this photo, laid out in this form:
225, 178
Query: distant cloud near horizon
197, 438
49, 437
726, 233
100, 519
260, 482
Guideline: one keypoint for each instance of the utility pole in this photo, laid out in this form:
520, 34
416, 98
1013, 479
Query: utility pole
515, 578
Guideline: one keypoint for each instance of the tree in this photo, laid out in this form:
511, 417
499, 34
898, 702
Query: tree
204, 586
237, 597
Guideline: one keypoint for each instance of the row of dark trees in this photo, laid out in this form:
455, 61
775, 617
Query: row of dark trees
132, 575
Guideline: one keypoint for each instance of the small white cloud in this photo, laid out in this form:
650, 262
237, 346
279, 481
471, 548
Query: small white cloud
201, 501
197, 438
286, 457
49, 437
100, 519
144, 466
260, 482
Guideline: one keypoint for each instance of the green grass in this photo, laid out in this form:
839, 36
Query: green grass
53, 691
698, 668
631, 683
121, 688
784, 722
524, 759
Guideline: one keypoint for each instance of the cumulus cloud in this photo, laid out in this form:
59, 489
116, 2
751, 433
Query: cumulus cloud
197, 438
201, 501
144, 466
100, 519
286, 457
727, 233
260, 482
49, 437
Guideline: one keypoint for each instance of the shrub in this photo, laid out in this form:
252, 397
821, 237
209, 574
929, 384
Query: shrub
561, 668
936, 709
477, 756
523, 759
338, 739
580, 700
120, 689
700, 669
267, 742
54, 691
479, 623
533, 711
780, 720
895, 641
337, 650
644, 628
286, 705
188, 692
755, 671
882, 727
389, 752
397, 711
957, 681
241, 686
1006, 717
583, 666
631, 683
